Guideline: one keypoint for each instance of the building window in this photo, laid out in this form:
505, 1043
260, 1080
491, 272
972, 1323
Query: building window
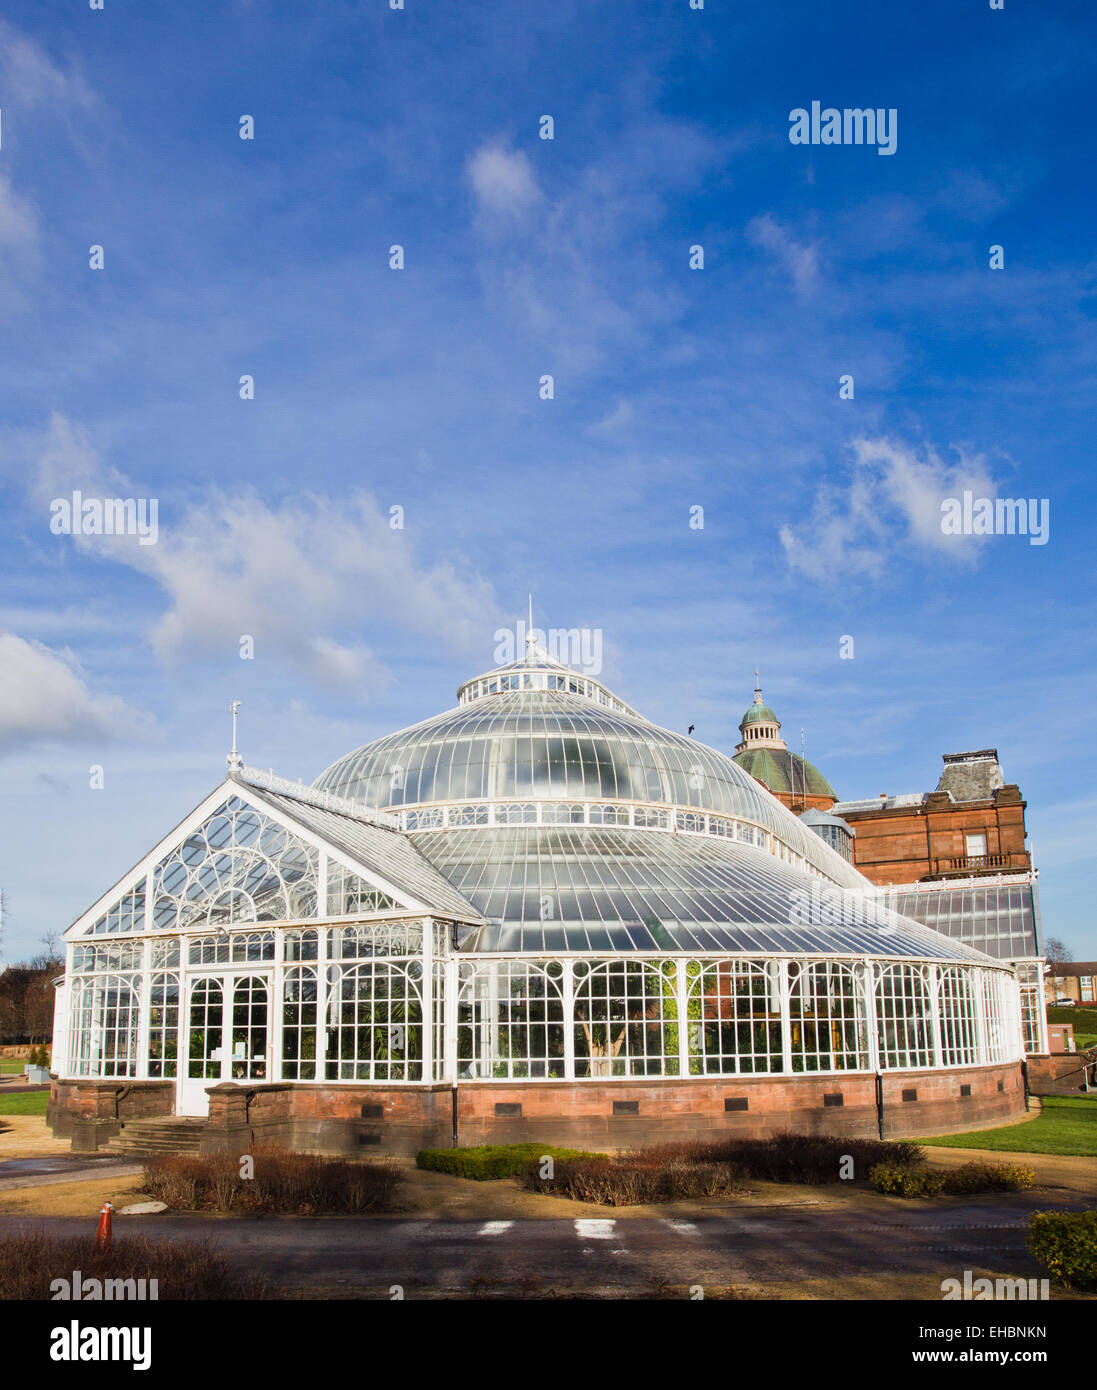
826, 1015
510, 1021
734, 1018
239, 866
994, 1008
105, 1018
626, 1019
163, 1025
375, 1022
902, 1010
975, 844
299, 1024
957, 1008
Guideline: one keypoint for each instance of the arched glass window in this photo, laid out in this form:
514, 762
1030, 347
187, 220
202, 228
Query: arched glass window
994, 1008
626, 1019
163, 1024
239, 866
827, 1017
105, 1013
734, 1018
957, 1003
902, 1012
375, 1017
299, 1024
510, 1020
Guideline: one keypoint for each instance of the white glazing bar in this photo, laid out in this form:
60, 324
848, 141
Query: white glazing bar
323, 952
276, 1009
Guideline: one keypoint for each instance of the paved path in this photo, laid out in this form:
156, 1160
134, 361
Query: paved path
603, 1253
60, 1168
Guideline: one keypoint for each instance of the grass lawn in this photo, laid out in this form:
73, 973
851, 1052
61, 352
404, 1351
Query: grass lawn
1068, 1125
1084, 1021
28, 1103
11, 1066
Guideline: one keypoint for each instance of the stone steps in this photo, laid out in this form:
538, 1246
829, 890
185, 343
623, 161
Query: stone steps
168, 1136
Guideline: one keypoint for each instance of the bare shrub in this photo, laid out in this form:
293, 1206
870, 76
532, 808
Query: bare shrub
182, 1268
297, 1183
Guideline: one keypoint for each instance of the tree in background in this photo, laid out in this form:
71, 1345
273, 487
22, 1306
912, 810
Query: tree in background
1057, 952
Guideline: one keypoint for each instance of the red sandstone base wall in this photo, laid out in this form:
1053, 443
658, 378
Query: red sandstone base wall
90, 1112
619, 1115
1061, 1074
397, 1119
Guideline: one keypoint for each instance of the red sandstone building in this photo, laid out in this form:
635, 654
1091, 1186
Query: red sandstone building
954, 858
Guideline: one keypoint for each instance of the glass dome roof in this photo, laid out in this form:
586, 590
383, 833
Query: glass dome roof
532, 744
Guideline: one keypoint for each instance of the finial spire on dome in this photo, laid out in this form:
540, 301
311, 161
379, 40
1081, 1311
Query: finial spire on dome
757, 687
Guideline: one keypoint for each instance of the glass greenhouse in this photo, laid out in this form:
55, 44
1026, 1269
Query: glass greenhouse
538, 885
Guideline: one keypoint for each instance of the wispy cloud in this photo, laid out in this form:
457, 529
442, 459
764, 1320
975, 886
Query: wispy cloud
800, 259
45, 694
30, 78
503, 181
303, 577
892, 498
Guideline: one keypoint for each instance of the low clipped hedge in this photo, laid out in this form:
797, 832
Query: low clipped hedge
486, 1161
912, 1180
899, 1181
989, 1177
1065, 1243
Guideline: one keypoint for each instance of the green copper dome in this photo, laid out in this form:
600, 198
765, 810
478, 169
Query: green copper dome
759, 714
782, 771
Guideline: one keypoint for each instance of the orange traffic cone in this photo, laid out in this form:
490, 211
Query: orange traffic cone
102, 1235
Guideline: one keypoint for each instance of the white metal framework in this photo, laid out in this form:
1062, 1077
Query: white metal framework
285, 935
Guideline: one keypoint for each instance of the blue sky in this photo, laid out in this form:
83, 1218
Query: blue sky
419, 388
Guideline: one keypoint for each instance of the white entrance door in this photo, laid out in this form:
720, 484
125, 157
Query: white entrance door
227, 1036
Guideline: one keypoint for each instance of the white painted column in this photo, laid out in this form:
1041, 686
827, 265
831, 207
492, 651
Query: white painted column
567, 986
872, 1025
453, 989
144, 993
682, 992
934, 974
786, 1015
275, 1008
982, 1052
427, 1030
322, 956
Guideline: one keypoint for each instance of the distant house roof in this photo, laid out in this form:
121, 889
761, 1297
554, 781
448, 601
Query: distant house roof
1066, 969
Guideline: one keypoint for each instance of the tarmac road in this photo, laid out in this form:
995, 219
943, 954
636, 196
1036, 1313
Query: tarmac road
344, 1255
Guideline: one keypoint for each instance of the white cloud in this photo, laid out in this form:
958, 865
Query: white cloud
798, 258
29, 77
304, 578
18, 223
892, 499
45, 694
503, 181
